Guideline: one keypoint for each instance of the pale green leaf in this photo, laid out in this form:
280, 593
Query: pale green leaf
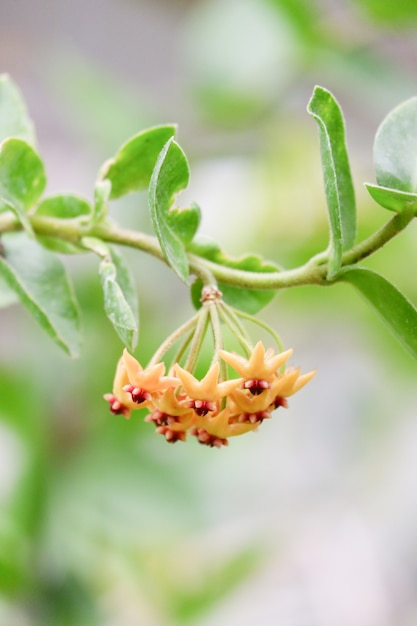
132, 167
185, 222
393, 199
7, 295
338, 184
14, 119
395, 310
171, 175
22, 178
41, 282
395, 148
64, 206
102, 192
120, 298
248, 300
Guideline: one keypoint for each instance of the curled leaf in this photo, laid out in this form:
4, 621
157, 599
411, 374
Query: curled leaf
131, 169
171, 175
120, 298
338, 184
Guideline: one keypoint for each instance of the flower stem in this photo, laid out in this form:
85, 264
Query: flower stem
264, 325
216, 328
183, 348
198, 338
169, 341
236, 328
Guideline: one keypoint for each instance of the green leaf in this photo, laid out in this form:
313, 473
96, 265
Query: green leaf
59, 245
185, 222
40, 280
120, 299
7, 295
64, 206
396, 311
22, 178
393, 199
126, 283
338, 185
248, 300
102, 192
206, 247
14, 119
395, 148
132, 167
171, 175
120, 296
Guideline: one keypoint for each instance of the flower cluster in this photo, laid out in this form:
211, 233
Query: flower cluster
211, 409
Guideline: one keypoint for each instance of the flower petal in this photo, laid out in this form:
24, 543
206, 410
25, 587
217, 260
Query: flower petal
151, 379
246, 403
219, 426
261, 365
208, 388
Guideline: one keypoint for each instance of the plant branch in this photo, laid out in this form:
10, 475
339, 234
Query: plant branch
378, 239
311, 273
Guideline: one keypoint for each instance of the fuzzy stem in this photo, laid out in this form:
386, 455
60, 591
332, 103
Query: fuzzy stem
309, 274
199, 269
198, 338
378, 239
231, 320
183, 348
177, 334
216, 328
258, 322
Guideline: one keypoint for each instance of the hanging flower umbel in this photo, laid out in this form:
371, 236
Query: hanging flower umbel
221, 404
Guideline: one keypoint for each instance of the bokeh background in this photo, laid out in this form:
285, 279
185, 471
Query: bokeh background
313, 520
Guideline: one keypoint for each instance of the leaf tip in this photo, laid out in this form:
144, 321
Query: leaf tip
317, 92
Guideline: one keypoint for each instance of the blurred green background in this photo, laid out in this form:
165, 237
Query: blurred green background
310, 522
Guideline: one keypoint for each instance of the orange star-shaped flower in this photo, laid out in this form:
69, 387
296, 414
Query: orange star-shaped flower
169, 404
150, 379
261, 365
171, 418
145, 384
208, 389
290, 382
247, 403
214, 430
120, 401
